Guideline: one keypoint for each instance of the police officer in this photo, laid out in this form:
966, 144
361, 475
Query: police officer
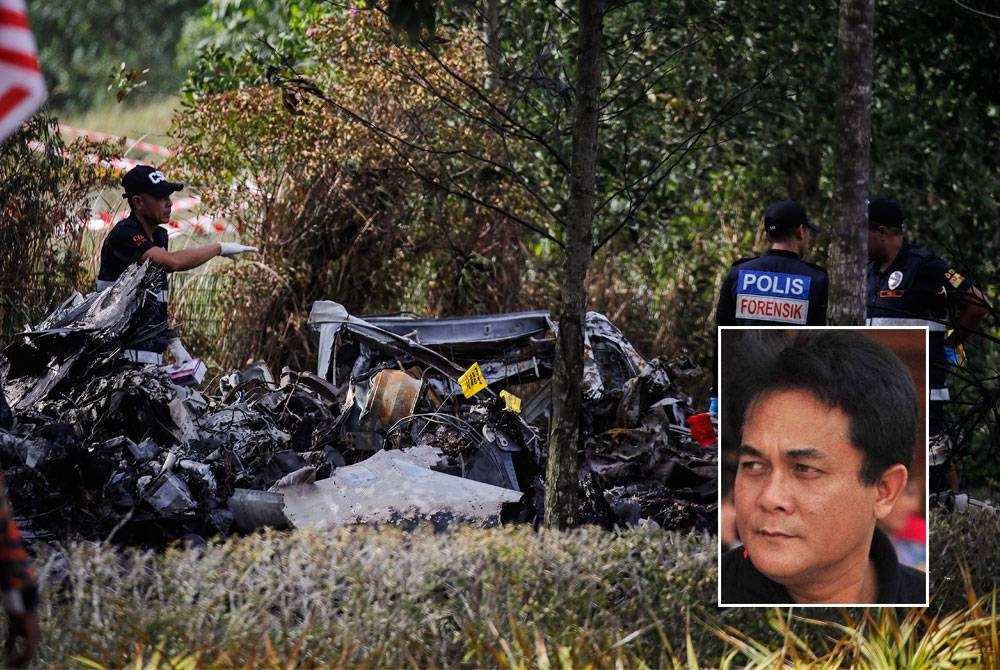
139, 237
777, 287
909, 286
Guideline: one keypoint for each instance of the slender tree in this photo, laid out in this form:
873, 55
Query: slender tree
849, 251
567, 374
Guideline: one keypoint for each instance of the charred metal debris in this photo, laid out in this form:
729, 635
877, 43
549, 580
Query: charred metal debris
382, 432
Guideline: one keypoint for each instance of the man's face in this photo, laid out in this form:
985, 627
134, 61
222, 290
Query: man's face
801, 509
152, 209
876, 244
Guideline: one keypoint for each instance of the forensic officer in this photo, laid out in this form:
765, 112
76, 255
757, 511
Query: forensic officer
909, 286
777, 287
139, 237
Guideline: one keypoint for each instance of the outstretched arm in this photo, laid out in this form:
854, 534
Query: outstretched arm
182, 259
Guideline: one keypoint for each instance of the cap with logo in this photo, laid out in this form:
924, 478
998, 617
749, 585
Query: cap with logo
885, 211
147, 179
786, 215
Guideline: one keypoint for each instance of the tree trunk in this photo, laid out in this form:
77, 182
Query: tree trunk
849, 251
491, 36
561, 482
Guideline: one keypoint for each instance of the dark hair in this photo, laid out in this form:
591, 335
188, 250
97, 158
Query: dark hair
850, 371
885, 211
781, 234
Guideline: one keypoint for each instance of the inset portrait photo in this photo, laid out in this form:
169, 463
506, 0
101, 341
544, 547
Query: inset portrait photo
823, 466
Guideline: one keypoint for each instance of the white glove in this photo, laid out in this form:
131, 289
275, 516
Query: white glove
178, 351
231, 249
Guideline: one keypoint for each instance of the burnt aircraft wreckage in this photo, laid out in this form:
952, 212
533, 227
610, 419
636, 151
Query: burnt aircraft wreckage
404, 420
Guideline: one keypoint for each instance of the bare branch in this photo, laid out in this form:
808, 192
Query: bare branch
514, 128
481, 96
976, 11
673, 157
301, 85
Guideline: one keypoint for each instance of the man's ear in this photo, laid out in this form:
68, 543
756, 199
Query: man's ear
889, 486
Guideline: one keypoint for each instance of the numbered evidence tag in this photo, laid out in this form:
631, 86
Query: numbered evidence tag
511, 402
472, 381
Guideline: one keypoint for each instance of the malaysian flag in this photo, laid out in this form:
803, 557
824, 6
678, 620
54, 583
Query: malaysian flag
22, 87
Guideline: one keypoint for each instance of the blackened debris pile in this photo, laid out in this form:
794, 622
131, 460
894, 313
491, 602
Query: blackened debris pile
639, 462
105, 448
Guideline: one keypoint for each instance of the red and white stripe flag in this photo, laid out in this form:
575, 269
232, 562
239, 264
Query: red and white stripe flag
22, 87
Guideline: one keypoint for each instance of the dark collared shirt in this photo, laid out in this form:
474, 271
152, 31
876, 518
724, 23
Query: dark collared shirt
743, 584
913, 291
125, 245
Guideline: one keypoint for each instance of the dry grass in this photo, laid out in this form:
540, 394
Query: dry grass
148, 120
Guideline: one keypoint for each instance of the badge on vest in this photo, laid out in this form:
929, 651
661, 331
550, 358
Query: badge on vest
954, 278
772, 296
895, 279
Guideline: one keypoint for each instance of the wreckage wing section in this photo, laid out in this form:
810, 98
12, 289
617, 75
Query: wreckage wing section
393, 487
329, 319
510, 349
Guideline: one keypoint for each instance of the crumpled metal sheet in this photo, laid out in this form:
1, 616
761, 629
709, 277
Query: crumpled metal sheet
81, 328
393, 487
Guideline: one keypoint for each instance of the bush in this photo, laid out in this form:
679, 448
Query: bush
338, 211
466, 598
45, 196
962, 541
383, 598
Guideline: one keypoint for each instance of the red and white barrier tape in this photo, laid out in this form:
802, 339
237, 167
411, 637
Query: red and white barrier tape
197, 225
140, 145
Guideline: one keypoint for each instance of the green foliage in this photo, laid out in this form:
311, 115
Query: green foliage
44, 206
368, 597
125, 81
962, 542
875, 639
231, 43
82, 42
505, 129
709, 112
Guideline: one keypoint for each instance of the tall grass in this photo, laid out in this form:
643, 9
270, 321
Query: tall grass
875, 639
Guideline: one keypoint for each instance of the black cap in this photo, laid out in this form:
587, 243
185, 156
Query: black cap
883, 210
786, 215
147, 179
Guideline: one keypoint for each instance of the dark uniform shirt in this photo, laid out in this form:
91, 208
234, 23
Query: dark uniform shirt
743, 584
125, 245
773, 289
913, 291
